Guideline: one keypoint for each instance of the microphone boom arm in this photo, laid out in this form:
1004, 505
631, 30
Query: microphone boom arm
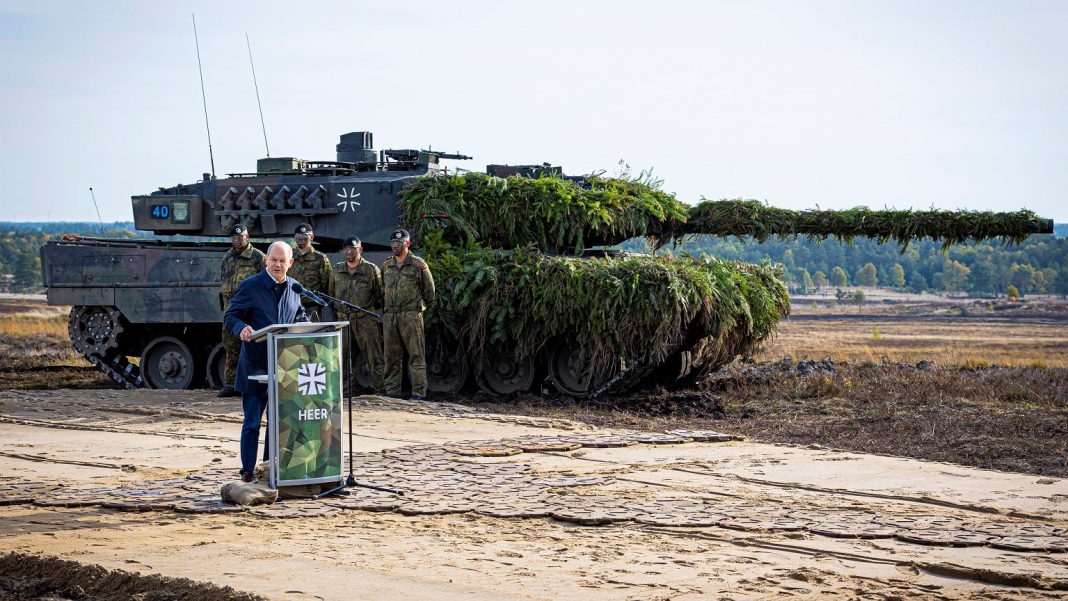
351, 306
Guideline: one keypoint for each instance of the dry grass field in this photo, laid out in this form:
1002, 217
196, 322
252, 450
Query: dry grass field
35, 351
953, 334
31, 317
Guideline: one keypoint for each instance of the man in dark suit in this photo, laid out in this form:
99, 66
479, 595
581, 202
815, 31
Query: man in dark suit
261, 300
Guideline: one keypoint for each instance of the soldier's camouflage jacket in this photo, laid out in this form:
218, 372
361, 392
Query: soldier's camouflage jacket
362, 287
313, 271
407, 287
236, 266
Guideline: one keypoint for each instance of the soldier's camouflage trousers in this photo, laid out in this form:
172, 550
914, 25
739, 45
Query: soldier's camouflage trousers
233, 351
369, 341
404, 332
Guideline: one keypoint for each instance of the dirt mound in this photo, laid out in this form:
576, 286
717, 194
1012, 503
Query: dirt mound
51, 377
33, 577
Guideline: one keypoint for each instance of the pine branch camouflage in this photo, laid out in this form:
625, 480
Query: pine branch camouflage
562, 216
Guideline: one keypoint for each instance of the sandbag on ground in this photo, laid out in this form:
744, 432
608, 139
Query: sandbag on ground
248, 493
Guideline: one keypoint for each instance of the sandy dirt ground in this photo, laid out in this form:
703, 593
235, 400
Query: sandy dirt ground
677, 519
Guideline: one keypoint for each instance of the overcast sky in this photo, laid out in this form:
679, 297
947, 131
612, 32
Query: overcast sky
837, 104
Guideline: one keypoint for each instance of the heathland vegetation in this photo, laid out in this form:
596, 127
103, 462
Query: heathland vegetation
1038, 265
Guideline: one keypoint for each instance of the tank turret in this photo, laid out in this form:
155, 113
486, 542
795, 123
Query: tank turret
358, 191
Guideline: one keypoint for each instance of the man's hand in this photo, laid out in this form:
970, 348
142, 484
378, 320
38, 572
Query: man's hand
246, 333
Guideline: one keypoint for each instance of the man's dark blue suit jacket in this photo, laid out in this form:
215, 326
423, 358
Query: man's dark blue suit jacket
254, 305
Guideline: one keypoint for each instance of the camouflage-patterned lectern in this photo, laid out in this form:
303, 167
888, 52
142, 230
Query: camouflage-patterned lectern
305, 412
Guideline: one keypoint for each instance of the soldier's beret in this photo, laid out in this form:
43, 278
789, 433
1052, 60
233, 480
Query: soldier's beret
352, 241
400, 235
238, 230
304, 228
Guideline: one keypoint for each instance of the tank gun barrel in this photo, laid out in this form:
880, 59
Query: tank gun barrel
753, 218
454, 156
559, 215
422, 156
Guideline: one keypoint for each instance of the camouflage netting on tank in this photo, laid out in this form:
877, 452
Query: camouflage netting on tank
561, 215
638, 307
754, 218
555, 214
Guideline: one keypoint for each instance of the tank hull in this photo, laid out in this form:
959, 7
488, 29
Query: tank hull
156, 302
148, 313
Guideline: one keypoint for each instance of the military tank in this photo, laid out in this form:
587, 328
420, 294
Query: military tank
532, 292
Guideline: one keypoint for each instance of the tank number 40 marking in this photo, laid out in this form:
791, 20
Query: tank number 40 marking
161, 211
350, 195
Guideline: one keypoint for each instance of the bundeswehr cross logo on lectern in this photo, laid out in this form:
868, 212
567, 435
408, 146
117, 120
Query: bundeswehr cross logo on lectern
311, 378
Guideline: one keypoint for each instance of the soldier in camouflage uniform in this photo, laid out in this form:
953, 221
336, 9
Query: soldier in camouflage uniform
360, 282
408, 288
312, 269
241, 261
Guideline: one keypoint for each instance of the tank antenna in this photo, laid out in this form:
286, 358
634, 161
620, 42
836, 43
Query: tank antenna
95, 206
203, 96
258, 104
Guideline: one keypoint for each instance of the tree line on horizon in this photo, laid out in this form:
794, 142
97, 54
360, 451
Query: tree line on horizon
1039, 265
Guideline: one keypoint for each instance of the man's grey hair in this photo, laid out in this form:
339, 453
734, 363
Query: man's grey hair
284, 246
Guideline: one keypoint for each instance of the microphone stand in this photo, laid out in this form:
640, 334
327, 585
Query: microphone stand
349, 305
351, 480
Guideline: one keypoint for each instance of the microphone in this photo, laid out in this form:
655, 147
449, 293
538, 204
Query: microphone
308, 294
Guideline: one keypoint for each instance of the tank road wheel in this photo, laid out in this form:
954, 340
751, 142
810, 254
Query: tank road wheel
446, 367
169, 364
569, 371
216, 366
95, 330
503, 374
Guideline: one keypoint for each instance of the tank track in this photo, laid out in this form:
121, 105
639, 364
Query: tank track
632, 375
625, 380
94, 332
119, 369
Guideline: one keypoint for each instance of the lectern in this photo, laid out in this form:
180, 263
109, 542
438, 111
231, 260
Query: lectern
304, 409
